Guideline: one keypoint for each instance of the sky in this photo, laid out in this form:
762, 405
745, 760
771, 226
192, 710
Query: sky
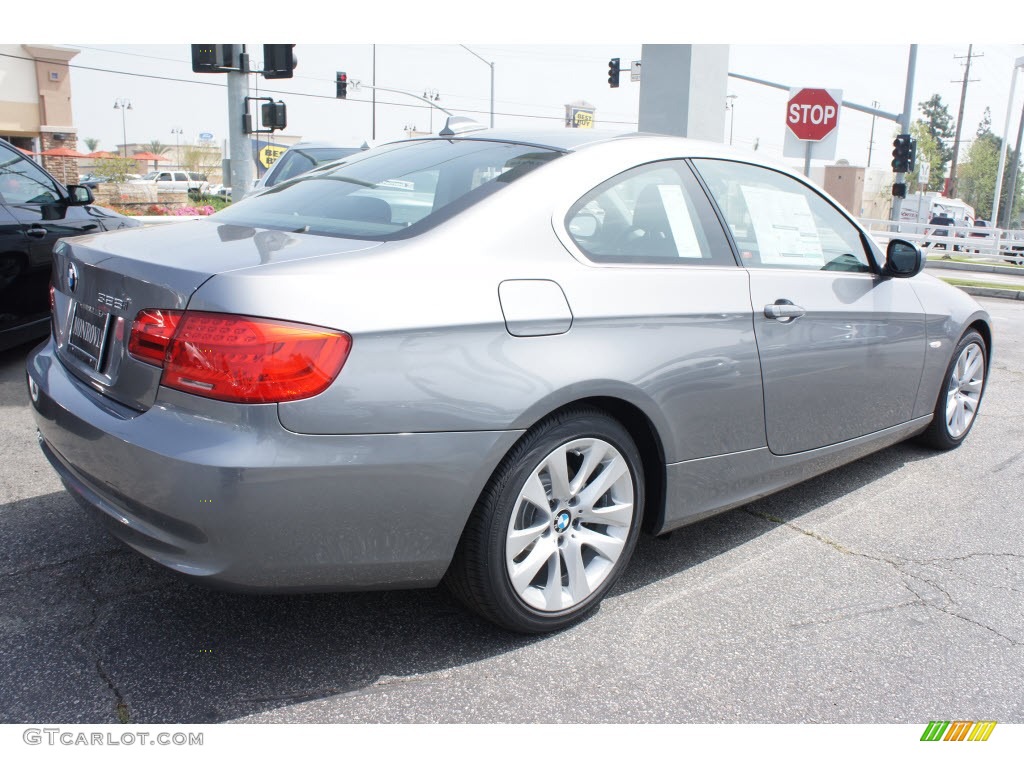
536, 72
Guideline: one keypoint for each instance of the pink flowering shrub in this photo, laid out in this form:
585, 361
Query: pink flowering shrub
188, 210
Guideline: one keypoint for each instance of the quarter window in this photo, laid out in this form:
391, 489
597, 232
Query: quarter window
780, 223
648, 215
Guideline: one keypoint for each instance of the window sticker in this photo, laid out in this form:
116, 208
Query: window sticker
785, 229
679, 221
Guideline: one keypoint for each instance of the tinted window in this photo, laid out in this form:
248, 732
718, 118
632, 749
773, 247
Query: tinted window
648, 215
779, 222
392, 192
23, 182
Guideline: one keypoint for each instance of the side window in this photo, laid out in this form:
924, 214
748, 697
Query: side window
180, 177
23, 183
777, 222
652, 214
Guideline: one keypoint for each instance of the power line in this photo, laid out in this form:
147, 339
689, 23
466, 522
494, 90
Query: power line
296, 93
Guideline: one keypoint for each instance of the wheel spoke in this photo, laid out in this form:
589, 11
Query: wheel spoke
613, 514
592, 458
525, 572
608, 547
534, 493
576, 572
558, 471
553, 589
521, 538
973, 366
615, 469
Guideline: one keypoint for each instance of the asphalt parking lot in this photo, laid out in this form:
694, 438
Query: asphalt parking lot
887, 591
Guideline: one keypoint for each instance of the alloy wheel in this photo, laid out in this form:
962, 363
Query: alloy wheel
570, 524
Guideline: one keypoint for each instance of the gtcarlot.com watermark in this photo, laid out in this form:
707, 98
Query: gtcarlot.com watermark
72, 737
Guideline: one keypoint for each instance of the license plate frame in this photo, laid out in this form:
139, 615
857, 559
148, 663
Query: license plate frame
87, 336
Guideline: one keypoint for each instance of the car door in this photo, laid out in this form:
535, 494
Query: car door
40, 205
841, 348
667, 272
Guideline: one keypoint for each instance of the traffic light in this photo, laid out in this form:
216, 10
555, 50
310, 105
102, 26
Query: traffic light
342, 82
275, 116
279, 61
613, 73
210, 58
904, 153
899, 190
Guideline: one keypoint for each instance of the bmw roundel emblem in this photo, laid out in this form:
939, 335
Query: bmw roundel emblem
562, 522
72, 277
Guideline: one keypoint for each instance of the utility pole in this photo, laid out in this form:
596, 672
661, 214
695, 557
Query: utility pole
871, 140
241, 147
908, 107
960, 116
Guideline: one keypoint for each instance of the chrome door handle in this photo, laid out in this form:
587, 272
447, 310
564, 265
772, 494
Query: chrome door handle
35, 232
783, 310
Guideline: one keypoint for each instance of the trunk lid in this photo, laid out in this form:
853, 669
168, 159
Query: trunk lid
102, 281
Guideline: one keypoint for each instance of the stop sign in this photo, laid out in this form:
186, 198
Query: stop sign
812, 114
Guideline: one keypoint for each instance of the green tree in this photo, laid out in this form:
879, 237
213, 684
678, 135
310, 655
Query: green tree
928, 151
156, 147
977, 178
939, 123
115, 168
91, 144
985, 126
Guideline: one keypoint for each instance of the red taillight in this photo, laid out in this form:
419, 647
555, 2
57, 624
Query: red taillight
243, 359
53, 300
151, 334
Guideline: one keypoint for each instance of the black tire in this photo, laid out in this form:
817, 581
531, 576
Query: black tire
939, 434
479, 575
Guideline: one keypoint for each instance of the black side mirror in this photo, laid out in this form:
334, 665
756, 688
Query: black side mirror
80, 195
902, 259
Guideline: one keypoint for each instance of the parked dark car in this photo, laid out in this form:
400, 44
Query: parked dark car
940, 221
36, 211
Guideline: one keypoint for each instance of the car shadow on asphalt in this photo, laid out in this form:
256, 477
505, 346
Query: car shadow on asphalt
90, 631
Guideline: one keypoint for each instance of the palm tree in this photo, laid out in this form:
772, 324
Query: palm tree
157, 147
91, 144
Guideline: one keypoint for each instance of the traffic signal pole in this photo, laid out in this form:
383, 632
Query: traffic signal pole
238, 140
908, 105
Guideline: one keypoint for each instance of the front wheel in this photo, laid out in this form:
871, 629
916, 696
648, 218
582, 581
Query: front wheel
960, 396
555, 526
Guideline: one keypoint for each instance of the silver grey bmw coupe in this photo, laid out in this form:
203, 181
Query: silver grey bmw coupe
489, 359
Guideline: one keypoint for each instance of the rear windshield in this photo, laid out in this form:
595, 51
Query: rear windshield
301, 159
392, 192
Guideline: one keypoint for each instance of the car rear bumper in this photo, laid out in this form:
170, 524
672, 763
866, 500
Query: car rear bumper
224, 493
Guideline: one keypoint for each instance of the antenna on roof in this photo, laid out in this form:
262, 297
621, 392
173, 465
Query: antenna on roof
455, 125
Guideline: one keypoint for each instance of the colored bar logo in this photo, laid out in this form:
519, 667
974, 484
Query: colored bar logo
958, 730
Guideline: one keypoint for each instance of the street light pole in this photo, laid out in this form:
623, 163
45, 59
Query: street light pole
1002, 147
123, 104
491, 65
871, 139
177, 145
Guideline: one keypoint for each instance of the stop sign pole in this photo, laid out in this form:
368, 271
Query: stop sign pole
812, 122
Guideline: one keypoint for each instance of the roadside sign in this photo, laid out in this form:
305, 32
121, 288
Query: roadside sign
267, 154
634, 71
923, 169
579, 115
812, 123
812, 114
206, 136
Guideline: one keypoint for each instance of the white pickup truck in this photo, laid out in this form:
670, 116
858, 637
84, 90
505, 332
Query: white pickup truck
178, 181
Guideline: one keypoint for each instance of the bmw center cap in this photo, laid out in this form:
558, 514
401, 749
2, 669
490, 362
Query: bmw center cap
562, 522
